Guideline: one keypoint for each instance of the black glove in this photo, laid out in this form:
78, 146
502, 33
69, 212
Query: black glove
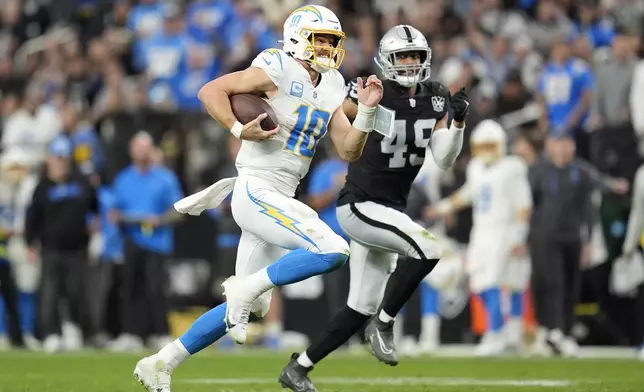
460, 105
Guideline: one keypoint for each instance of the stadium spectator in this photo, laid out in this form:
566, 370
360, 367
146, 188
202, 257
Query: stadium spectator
88, 152
106, 254
614, 79
145, 193
162, 56
560, 234
565, 93
32, 126
57, 221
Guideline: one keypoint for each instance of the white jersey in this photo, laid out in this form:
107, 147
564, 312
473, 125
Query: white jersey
303, 112
497, 192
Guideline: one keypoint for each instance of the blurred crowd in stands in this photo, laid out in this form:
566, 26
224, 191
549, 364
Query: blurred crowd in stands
85, 83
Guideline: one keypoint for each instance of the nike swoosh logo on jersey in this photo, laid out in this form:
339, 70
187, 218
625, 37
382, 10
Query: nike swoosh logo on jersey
267, 62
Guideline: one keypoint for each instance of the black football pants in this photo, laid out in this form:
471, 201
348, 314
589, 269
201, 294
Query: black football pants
62, 282
556, 280
145, 297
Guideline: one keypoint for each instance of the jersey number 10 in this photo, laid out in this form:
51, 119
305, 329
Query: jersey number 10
308, 130
399, 146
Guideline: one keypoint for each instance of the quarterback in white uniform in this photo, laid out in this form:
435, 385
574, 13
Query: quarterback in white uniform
283, 240
497, 187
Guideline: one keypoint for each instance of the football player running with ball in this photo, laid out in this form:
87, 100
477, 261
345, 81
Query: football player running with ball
370, 205
283, 241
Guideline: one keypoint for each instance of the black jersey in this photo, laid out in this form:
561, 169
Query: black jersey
388, 166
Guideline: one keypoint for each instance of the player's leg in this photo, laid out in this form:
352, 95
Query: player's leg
289, 224
430, 318
485, 265
252, 255
517, 278
385, 228
369, 270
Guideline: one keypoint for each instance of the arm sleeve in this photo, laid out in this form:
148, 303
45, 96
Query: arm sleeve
636, 217
446, 144
272, 62
33, 222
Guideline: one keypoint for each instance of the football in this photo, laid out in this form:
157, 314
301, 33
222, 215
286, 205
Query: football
247, 107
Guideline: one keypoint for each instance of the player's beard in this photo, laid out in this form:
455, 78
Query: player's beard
319, 67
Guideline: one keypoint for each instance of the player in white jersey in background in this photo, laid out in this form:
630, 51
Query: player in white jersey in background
283, 241
497, 187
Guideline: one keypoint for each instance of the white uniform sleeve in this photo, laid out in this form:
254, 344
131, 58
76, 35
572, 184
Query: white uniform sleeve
636, 218
520, 190
446, 144
466, 192
272, 62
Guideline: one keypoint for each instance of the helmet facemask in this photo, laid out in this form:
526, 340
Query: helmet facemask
321, 57
405, 73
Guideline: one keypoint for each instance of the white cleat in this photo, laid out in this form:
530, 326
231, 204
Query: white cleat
153, 374
569, 348
238, 307
492, 344
52, 344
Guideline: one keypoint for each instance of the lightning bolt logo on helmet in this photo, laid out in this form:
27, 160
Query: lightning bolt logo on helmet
300, 30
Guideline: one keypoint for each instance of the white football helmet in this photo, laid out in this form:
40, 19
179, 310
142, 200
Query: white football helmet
488, 141
400, 39
300, 29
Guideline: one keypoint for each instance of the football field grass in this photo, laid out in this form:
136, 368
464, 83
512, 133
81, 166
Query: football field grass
258, 372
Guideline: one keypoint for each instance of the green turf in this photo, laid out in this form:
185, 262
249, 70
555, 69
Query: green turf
257, 372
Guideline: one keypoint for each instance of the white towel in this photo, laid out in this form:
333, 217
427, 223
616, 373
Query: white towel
206, 199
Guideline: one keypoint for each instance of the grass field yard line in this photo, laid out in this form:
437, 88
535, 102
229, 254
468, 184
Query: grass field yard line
391, 381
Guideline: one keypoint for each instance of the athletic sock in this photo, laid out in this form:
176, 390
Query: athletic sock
343, 325
206, 330
402, 283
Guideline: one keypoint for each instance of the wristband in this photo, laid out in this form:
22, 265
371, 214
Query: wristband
365, 119
236, 130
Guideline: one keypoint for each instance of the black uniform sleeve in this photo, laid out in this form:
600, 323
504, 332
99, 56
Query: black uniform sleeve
35, 215
352, 90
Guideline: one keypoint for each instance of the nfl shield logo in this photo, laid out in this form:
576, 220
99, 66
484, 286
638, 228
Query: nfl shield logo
438, 103
412, 102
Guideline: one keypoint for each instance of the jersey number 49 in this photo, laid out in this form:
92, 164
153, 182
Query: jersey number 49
398, 145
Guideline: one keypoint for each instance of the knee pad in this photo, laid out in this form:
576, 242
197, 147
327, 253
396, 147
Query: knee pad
262, 304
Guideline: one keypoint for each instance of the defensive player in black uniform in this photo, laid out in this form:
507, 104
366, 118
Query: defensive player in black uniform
371, 203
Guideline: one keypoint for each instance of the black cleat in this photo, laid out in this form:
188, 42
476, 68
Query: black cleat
296, 377
381, 339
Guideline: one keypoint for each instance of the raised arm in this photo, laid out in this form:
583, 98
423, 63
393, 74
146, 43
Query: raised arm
262, 77
349, 139
445, 143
